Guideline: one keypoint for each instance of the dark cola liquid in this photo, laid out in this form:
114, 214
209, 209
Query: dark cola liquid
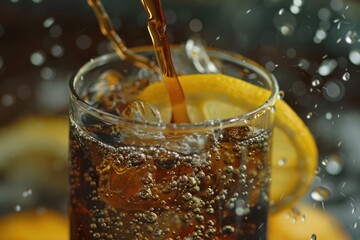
127, 186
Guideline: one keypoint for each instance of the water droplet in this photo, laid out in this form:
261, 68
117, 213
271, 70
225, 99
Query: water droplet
57, 50
7, 100
346, 76
84, 42
38, 58
281, 95
353, 210
315, 82
281, 11
324, 162
355, 225
328, 115
320, 194
48, 22
282, 161
333, 90
354, 56
310, 114
248, 11
351, 37
335, 164
195, 25
17, 208
27, 193
48, 73
327, 67
55, 31
313, 236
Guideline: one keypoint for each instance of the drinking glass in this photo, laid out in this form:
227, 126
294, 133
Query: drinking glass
132, 179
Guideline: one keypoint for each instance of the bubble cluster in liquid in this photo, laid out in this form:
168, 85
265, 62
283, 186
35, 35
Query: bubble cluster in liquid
153, 187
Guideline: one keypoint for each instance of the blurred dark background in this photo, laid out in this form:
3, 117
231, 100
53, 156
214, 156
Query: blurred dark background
312, 47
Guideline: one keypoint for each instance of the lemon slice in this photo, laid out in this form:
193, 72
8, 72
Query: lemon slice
216, 96
34, 225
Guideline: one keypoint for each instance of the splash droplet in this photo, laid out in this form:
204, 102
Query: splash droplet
351, 37
346, 76
27, 193
320, 194
18, 208
328, 115
335, 164
315, 83
310, 114
48, 22
38, 58
313, 237
282, 161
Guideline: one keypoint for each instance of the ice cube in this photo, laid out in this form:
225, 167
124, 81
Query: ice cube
141, 111
106, 92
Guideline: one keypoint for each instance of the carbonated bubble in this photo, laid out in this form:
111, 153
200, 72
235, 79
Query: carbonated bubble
150, 217
313, 237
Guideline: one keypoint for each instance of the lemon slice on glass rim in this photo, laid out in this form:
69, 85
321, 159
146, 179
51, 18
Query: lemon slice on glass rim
294, 153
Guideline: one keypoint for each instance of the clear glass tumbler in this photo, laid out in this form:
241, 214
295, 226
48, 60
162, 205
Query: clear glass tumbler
145, 180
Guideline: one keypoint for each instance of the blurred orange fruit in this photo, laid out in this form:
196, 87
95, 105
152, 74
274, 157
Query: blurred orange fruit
44, 224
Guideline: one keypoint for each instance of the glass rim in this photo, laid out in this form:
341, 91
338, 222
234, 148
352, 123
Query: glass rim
212, 123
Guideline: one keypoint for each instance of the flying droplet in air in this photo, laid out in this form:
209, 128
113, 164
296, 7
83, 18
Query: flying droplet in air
335, 164
320, 194
313, 237
17, 208
351, 37
346, 76
315, 83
